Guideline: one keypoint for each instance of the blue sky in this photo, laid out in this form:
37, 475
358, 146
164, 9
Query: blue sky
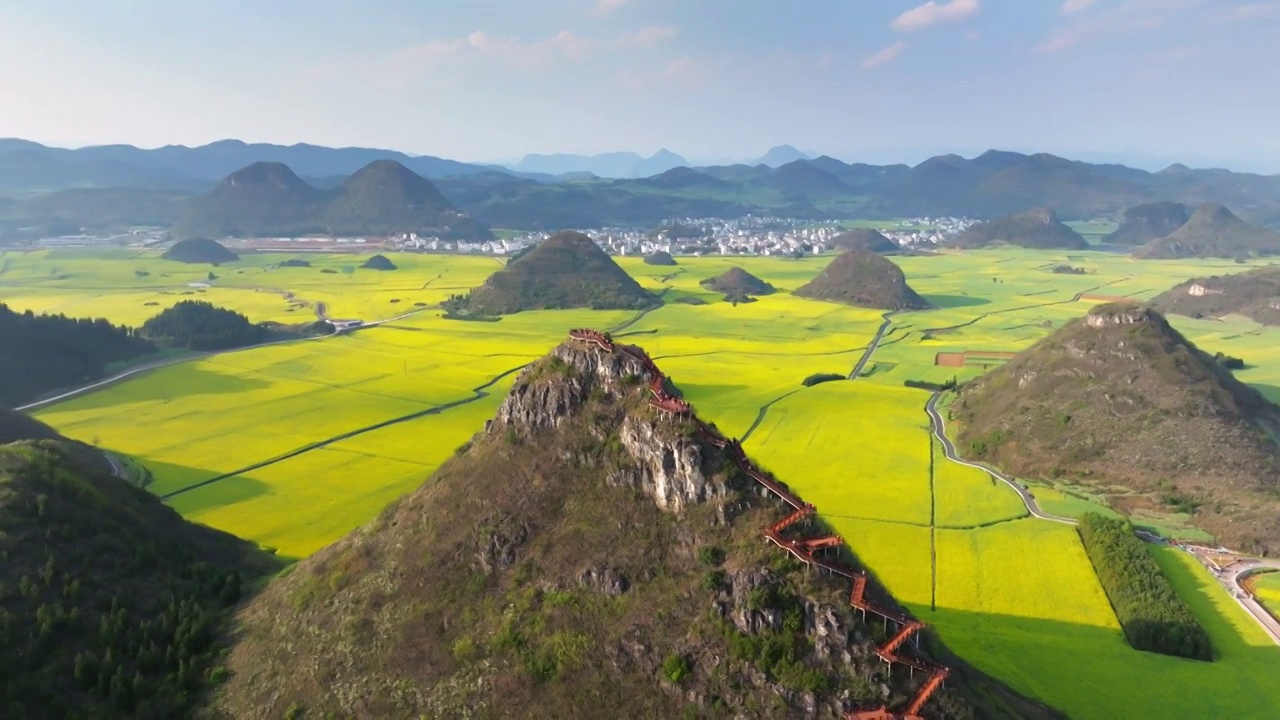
493, 79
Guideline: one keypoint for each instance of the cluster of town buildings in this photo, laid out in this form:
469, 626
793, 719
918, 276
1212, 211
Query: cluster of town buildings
749, 235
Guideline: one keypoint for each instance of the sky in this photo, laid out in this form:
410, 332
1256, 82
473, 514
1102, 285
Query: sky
492, 80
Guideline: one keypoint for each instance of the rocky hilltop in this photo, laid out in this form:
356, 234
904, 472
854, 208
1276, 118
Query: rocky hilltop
111, 605
864, 239
1213, 231
1119, 399
585, 551
737, 282
1039, 229
1147, 222
567, 270
1254, 294
863, 278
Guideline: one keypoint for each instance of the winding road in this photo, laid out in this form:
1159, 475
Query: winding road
940, 431
1229, 577
871, 349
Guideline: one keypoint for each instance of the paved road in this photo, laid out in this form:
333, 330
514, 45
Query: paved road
117, 468
940, 432
871, 349
1231, 576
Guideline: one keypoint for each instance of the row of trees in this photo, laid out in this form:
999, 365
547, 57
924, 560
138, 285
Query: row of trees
1154, 618
39, 353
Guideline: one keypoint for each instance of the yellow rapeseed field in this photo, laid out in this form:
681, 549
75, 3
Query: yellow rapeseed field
1016, 597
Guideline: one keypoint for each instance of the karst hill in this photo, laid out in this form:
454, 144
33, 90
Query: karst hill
1213, 231
1147, 222
660, 257
864, 239
383, 198
737, 282
865, 279
1254, 294
1038, 229
200, 250
594, 550
1119, 399
567, 270
111, 605
378, 262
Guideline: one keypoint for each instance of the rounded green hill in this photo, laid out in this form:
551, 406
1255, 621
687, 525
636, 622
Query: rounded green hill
200, 250
378, 262
1119, 398
738, 283
567, 270
865, 279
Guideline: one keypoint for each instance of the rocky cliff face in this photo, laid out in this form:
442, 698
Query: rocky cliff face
664, 461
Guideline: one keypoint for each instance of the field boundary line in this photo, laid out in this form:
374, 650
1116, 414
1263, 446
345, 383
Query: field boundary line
36, 405
478, 393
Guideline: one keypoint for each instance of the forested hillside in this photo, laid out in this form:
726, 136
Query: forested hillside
39, 353
198, 325
111, 605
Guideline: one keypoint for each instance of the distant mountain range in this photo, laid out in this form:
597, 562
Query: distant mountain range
103, 188
608, 165
25, 165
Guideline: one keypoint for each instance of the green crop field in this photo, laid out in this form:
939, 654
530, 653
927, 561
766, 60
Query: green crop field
1014, 595
1267, 588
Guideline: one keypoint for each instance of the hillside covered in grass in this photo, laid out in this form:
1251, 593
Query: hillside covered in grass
567, 270
1254, 294
111, 605
1214, 231
865, 279
1149, 221
269, 199
584, 552
1037, 229
1119, 399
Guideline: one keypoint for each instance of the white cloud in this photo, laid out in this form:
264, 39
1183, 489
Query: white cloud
647, 37
565, 46
1071, 7
972, 35
1255, 11
933, 13
604, 7
884, 56
1127, 17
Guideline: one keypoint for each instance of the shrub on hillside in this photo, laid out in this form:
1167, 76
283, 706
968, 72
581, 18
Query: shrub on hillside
1152, 615
932, 386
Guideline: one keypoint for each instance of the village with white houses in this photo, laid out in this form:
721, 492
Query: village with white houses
748, 235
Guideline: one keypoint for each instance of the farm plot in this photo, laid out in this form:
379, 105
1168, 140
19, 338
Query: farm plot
967, 497
855, 450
